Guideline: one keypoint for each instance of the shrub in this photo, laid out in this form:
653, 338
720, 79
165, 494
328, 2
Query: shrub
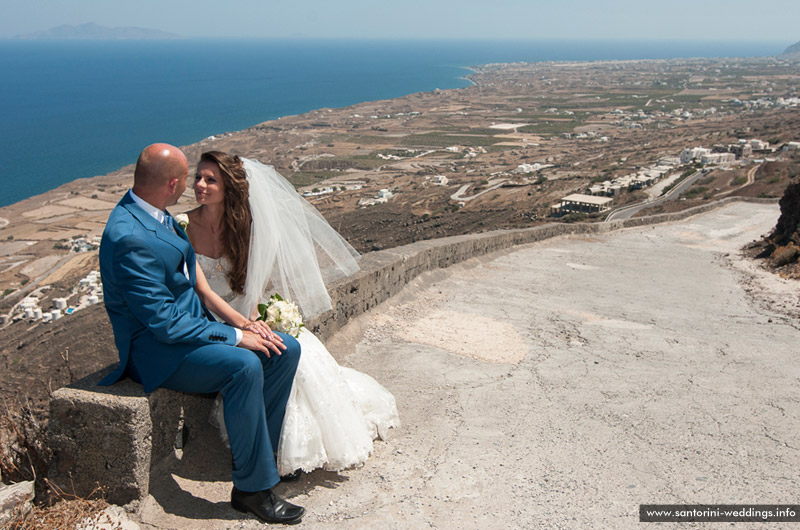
694, 192
24, 454
574, 217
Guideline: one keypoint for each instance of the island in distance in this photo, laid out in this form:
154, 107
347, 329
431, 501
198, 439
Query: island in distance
92, 31
503, 153
793, 49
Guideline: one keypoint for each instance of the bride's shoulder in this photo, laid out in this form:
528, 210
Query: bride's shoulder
193, 214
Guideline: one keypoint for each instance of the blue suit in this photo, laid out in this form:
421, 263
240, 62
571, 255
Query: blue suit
167, 338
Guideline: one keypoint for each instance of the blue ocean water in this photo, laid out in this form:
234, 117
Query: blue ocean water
80, 109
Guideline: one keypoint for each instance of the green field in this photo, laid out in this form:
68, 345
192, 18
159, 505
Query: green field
445, 140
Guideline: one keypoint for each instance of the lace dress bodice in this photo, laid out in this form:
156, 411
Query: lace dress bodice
214, 269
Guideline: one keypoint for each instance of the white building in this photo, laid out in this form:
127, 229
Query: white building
29, 301
91, 280
578, 202
440, 180
531, 168
321, 191
383, 196
693, 153
721, 159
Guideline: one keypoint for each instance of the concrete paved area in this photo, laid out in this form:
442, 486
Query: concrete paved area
559, 385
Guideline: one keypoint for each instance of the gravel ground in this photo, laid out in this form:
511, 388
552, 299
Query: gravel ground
559, 385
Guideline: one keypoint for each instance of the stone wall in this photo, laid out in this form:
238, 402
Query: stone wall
385, 272
114, 436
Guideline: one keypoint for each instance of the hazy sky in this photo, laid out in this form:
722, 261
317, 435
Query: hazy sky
495, 19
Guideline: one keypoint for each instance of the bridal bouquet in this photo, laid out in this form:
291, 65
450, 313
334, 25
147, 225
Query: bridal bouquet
281, 315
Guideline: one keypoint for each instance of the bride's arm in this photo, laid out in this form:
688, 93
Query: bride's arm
217, 305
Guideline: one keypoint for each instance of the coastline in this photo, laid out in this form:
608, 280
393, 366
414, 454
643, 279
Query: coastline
378, 70
177, 105
385, 172
464, 135
114, 175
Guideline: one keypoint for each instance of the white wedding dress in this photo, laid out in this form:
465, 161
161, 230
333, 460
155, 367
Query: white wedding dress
334, 413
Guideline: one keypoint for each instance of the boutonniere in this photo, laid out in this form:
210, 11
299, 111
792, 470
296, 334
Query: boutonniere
183, 221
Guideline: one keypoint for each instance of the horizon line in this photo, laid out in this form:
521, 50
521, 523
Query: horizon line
22, 38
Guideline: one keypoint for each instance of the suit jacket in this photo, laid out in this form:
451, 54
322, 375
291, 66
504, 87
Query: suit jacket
154, 310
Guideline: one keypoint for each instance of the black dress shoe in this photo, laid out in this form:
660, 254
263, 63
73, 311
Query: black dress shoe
267, 506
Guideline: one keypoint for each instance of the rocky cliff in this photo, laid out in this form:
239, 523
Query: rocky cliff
794, 48
781, 248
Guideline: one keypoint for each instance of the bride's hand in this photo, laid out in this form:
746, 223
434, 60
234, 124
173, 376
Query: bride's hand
261, 328
258, 327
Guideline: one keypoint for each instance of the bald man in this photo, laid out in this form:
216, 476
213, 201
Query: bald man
167, 338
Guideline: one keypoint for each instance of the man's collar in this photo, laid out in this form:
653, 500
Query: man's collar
156, 213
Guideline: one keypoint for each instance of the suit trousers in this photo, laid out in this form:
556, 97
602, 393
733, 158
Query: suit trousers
255, 390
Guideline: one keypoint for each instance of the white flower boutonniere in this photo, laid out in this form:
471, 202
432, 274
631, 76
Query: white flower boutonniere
281, 315
183, 220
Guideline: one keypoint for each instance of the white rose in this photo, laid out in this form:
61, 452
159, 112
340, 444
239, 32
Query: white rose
292, 313
274, 312
183, 220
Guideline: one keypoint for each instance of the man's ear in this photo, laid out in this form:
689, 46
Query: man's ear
173, 183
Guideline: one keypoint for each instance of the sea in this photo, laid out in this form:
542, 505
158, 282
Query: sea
73, 109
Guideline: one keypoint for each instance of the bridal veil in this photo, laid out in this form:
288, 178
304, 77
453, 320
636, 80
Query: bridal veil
293, 249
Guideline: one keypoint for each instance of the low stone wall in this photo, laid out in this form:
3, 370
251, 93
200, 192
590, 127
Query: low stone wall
384, 273
113, 436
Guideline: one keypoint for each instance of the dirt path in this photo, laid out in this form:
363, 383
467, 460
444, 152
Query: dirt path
560, 385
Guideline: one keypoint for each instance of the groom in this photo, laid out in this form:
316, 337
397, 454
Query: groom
167, 338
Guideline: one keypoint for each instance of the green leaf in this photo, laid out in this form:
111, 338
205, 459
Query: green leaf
262, 312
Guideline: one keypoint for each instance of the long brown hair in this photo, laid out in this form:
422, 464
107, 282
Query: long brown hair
237, 216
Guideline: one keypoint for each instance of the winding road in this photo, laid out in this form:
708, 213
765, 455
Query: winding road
627, 212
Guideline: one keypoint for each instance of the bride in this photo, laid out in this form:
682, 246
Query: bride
255, 236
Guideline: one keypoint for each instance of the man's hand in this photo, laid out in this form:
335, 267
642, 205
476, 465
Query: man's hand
255, 342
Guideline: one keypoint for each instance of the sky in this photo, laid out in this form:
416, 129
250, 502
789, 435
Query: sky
715, 20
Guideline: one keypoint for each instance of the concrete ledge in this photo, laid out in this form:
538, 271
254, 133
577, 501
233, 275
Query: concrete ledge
113, 436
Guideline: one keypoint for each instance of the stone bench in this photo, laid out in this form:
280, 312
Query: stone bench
114, 436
